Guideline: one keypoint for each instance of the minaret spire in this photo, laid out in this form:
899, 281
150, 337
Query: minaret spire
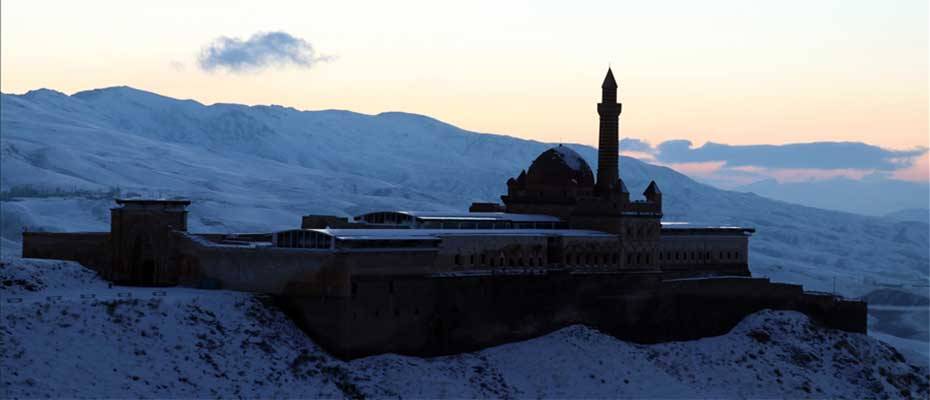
608, 142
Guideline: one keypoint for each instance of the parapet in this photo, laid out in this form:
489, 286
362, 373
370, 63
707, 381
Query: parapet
159, 204
324, 221
486, 207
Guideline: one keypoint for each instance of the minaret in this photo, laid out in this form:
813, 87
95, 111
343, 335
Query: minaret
608, 144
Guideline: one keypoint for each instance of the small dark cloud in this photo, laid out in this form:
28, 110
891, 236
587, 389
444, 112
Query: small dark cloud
818, 155
633, 144
259, 51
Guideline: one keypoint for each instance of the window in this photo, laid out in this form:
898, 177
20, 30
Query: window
472, 259
458, 259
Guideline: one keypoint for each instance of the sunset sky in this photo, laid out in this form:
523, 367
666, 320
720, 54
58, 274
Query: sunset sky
732, 72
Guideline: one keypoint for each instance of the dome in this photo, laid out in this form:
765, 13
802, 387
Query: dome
560, 166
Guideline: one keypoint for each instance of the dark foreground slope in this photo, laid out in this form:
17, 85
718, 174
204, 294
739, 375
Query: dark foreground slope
70, 335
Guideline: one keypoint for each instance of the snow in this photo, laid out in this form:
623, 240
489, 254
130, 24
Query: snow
186, 343
571, 158
255, 169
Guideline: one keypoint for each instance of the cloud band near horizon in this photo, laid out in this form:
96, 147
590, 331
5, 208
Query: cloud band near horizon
788, 162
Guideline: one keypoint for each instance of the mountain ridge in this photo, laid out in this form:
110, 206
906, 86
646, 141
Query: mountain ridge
261, 167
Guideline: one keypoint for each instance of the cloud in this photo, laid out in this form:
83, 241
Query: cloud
635, 145
178, 66
817, 155
919, 171
261, 50
732, 165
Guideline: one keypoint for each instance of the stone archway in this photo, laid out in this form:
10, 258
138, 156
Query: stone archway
142, 261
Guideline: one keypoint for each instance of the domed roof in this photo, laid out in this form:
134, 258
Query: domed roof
560, 166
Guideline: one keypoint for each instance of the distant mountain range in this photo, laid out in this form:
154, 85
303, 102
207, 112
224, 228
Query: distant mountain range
911, 214
872, 195
260, 168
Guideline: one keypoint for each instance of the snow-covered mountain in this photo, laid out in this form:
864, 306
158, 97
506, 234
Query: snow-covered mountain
261, 168
873, 195
72, 336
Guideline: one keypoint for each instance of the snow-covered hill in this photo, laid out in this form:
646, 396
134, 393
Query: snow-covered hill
260, 168
62, 158
70, 335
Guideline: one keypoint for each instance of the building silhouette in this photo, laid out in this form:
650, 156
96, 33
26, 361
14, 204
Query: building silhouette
561, 248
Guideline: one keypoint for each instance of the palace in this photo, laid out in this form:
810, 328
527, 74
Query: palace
564, 247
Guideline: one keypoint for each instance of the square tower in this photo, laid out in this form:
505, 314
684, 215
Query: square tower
142, 241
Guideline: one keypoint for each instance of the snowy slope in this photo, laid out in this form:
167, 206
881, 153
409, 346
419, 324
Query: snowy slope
261, 168
191, 343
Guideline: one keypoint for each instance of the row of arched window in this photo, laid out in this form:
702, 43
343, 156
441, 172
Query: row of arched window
501, 261
592, 258
642, 231
704, 256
